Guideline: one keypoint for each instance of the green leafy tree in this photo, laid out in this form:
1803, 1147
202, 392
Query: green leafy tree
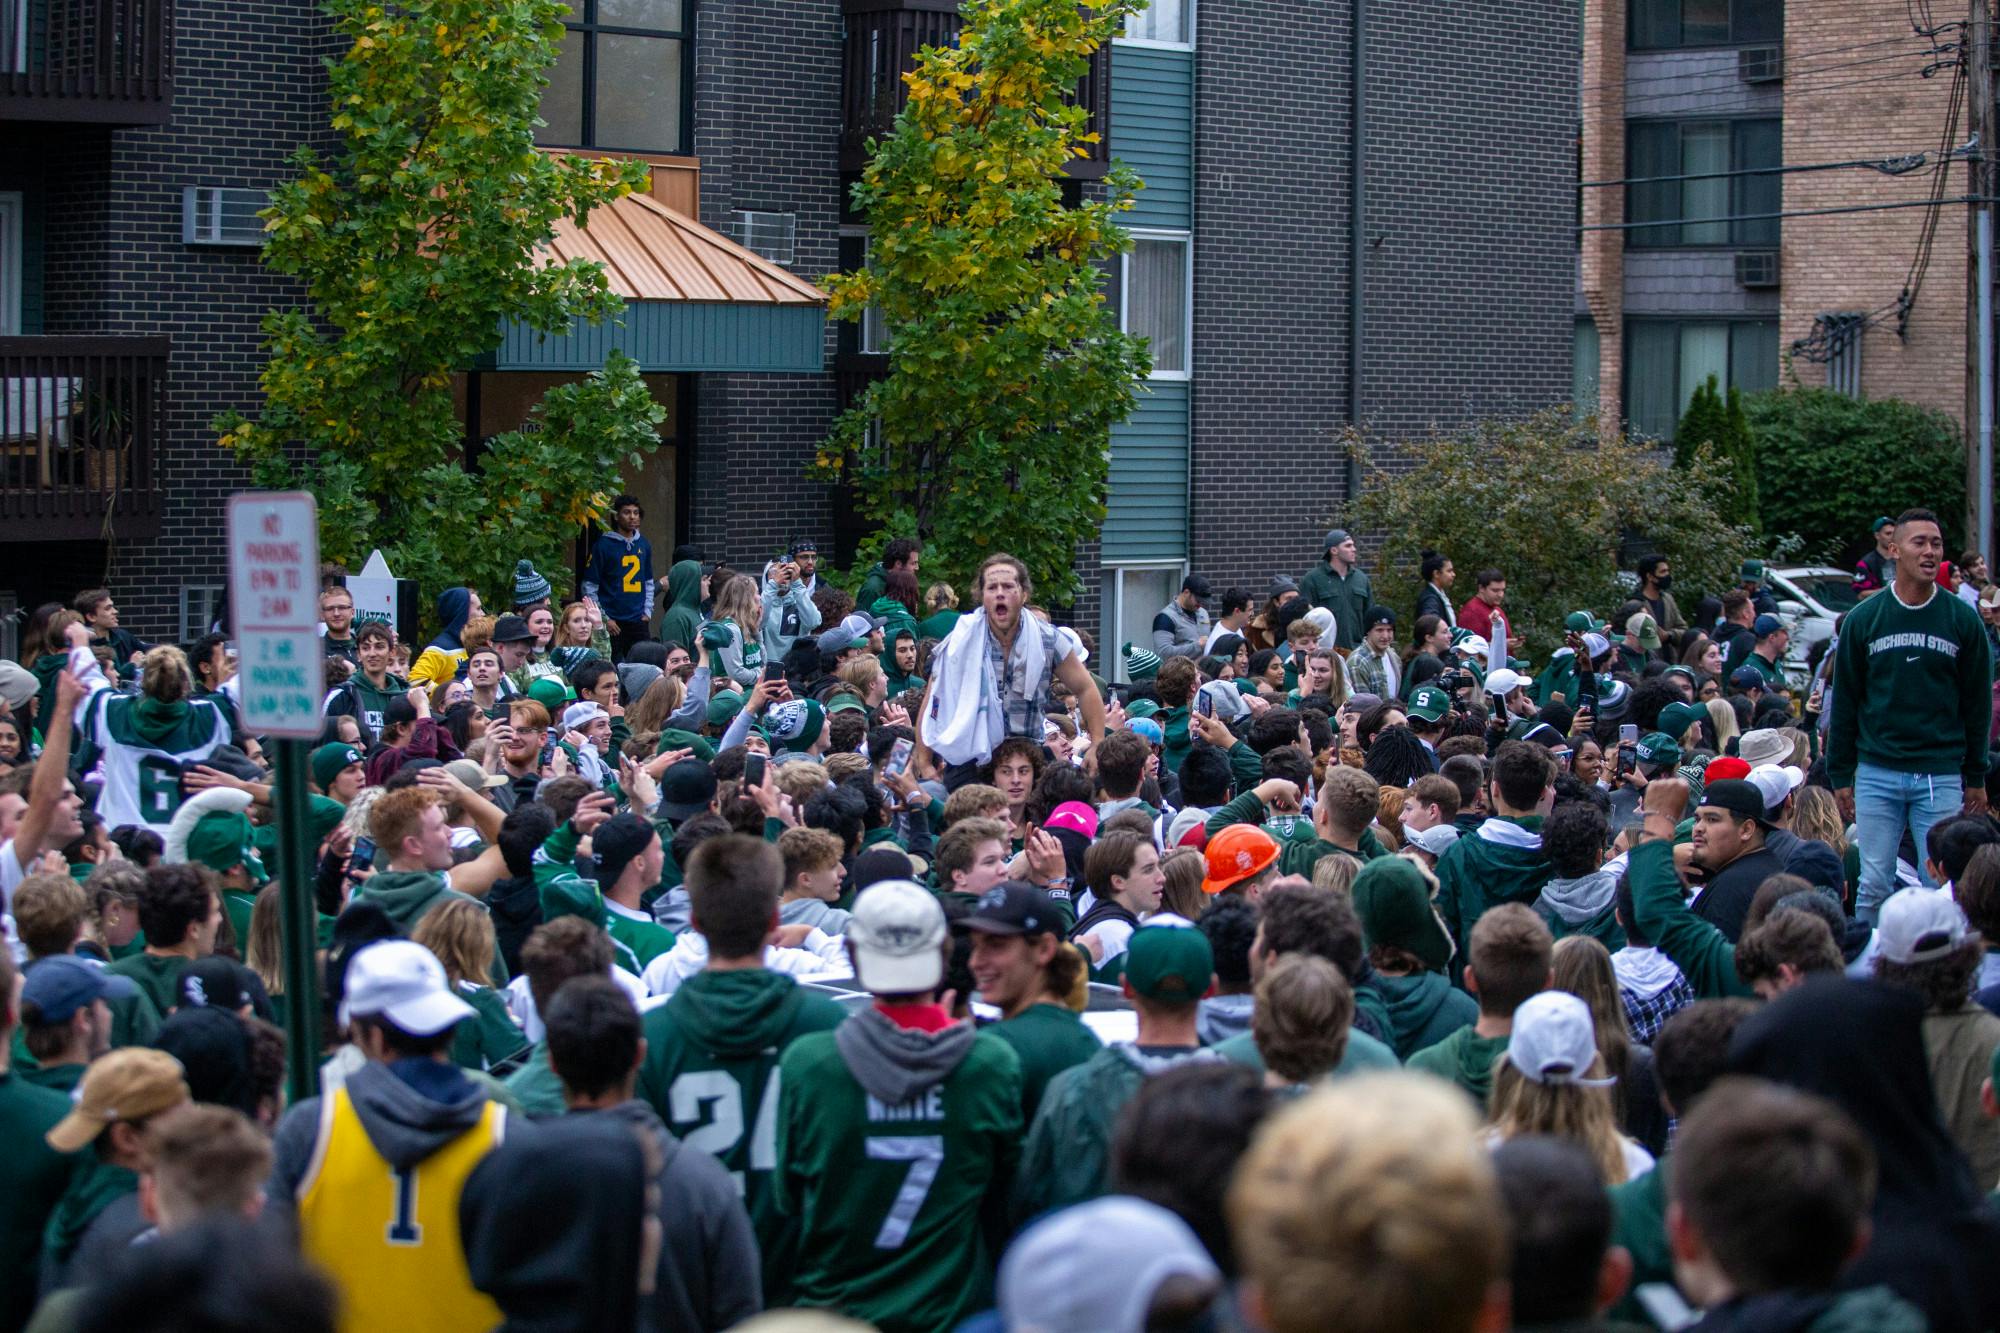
1549, 500
1716, 421
1703, 423
1829, 464
1007, 370
414, 244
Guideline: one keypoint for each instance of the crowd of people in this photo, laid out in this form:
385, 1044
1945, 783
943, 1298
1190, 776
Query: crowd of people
730, 950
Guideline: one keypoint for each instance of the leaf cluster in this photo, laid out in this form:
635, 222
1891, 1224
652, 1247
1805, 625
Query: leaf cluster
1007, 370
1549, 500
1718, 421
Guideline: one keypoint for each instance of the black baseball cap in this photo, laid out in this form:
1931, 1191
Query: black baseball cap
1195, 584
1739, 797
512, 629
1014, 908
620, 840
686, 789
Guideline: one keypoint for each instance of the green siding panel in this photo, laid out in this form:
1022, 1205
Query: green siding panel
1152, 131
1148, 502
678, 336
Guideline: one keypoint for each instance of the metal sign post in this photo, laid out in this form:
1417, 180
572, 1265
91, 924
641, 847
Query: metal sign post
274, 593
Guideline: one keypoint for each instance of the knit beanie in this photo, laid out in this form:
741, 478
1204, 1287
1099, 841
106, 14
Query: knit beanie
529, 587
1141, 663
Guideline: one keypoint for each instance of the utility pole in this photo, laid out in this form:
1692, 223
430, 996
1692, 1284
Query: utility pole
1979, 43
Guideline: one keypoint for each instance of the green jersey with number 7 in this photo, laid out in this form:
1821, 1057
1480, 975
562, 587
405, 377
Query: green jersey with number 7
896, 1155
711, 1073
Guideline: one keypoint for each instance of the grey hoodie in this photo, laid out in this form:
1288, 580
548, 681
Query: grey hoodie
1221, 1017
402, 1124
814, 912
788, 617
709, 1272
1578, 900
894, 1064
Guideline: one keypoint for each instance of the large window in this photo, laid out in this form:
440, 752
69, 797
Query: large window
1163, 22
1684, 179
1157, 299
1133, 595
1667, 360
623, 78
1666, 24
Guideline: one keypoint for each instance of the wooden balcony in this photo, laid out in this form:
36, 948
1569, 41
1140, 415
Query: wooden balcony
883, 38
107, 62
80, 424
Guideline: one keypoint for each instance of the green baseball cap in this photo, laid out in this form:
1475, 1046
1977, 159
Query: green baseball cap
1141, 708
1675, 719
1172, 964
1883, 522
1394, 904
845, 703
550, 692
1656, 749
723, 706
223, 840
1752, 571
329, 761
1428, 703
1582, 622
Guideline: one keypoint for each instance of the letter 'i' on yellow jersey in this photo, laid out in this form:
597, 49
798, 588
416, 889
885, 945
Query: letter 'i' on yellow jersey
389, 1239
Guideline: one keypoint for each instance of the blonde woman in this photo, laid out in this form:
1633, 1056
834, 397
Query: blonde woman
1582, 966
1321, 675
1551, 1080
1816, 818
162, 728
1722, 718
264, 951
733, 630
1182, 895
580, 635
460, 933
864, 675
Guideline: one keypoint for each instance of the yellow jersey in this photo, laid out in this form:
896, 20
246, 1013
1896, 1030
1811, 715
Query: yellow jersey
389, 1239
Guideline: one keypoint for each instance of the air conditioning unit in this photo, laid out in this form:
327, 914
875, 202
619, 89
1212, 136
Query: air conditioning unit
1761, 64
1756, 268
223, 215
774, 236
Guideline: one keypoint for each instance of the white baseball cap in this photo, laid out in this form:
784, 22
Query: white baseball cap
1095, 1268
1919, 925
1776, 782
897, 936
1504, 681
1437, 839
1554, 1040
403, 982
580, 715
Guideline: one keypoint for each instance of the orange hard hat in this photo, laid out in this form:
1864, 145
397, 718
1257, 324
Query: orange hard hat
1235, 854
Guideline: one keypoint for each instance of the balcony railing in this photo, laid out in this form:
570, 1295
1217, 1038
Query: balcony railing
80, 422
104, 61
883, 38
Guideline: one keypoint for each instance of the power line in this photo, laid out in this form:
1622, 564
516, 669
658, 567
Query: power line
1890, 166
1727, 74
1791, 213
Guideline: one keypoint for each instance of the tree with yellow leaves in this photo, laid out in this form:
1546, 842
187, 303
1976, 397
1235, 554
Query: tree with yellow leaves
1007, 368
413, 246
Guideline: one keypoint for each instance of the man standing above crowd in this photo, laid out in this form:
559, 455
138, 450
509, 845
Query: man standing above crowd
1482, 612
1339, 584
1656, 577
620, 576
993, 677
1912, 709
1181, 627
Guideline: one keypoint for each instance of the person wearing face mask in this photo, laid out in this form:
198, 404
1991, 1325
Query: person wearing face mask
1656, 581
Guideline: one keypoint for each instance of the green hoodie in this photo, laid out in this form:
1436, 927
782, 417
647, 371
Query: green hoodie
408, 896
872, 586
1478, 873
1424, 1009
683, 614
710, 1074
158, 977
938, 624
32, 1182
92, 1190
1464, 1058
1639, 1210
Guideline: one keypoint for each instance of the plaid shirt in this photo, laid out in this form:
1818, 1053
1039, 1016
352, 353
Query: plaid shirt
1024, 703
1368, 672
1646, 1015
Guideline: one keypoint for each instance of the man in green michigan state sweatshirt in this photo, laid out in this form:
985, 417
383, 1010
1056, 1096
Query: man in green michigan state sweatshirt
898, 1134
1912, 709
711, 1066
1502, 861
1512, 953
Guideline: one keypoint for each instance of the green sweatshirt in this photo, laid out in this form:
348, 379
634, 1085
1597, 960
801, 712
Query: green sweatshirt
490, 1037
1048, 1039
1364, 1053
1477, 874
899, 1206
1700, 950
536, 1085
33, 1177
683, 614
92, 1189
1464, 1058
158, 977
1424, 1009
1639, 1213
408, 896
1912, 689
563, 891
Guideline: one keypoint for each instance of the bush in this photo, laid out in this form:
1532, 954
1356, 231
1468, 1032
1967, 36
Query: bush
1548, 500
1828, 464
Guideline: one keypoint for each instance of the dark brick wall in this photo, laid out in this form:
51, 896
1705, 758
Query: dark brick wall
249, 89
1471, 190
767, 130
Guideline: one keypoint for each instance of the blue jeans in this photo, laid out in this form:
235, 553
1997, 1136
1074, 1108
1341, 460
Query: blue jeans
1885, 802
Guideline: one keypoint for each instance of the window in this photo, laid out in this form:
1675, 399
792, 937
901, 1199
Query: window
1669, 152
1843, 351
1660, 25
1163, 23
11, 209
1583, 367
1156, 299
638, 55
201, 606
871, 336
1133, 596
1667, 360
